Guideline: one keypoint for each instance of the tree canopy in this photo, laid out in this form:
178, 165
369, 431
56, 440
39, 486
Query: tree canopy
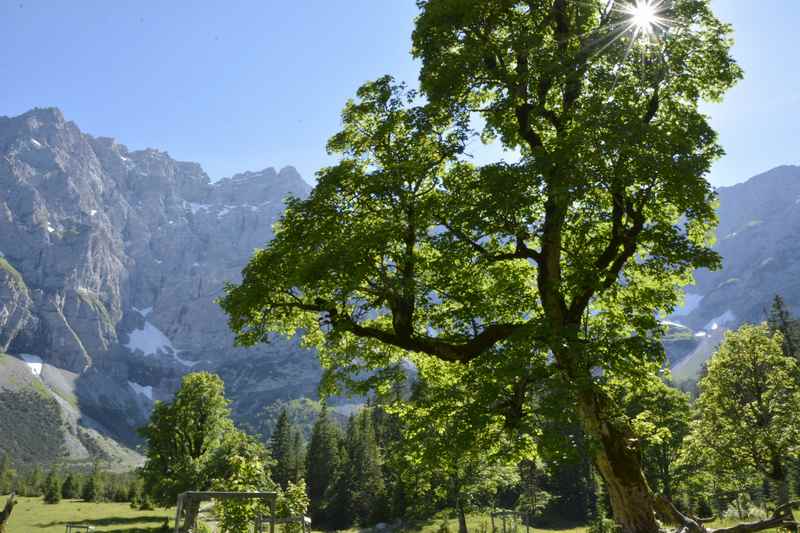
748, 407
554, 265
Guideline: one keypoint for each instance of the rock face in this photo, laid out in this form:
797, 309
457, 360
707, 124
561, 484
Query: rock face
111, 262
759, 223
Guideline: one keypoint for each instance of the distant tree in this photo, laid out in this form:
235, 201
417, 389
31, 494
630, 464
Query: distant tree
34, 484
52, 487
302, 413
182, 437
192, 444
240, 463
94, 489
323, 460
71, 487
781, 320
660, 415
363, 468
452, 451
281, 447
6, 474
748, 416
297, 457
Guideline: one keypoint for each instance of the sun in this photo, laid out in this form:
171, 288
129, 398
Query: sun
644, 15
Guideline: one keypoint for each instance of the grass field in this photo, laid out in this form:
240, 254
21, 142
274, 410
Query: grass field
32, 515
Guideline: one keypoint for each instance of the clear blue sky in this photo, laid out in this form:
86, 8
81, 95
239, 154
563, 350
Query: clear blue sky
244, 85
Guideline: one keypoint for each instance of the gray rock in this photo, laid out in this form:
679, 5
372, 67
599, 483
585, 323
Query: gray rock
118, 257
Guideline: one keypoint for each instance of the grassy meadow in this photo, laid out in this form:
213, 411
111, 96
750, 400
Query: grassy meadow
32, 515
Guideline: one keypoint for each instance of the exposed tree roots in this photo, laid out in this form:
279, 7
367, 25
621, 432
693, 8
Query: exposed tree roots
782, 517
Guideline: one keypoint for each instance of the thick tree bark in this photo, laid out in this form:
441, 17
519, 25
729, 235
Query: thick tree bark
618, 460
6, 514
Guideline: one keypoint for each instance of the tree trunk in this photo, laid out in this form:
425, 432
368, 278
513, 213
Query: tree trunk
6, 513
462, 517
618, 460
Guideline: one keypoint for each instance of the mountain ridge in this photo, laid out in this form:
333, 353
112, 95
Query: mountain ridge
110, 262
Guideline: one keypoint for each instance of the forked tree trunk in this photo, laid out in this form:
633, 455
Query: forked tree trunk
618, 460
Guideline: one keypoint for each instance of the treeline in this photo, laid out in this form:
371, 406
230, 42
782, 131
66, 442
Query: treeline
61, 482
359, 474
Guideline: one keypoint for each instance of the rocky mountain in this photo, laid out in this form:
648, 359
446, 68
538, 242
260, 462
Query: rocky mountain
110, 262
759, 223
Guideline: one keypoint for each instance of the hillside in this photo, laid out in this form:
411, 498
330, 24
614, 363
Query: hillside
758, 223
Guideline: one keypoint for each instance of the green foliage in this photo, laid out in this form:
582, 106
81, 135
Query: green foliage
52, 487
780, 320
70, 489
293, 502
182, 437
748, 420
94, 490
363, 469
242, 466
288, 451
302, 413
323, 462
660, 417
405, 250
30, 427
7, 474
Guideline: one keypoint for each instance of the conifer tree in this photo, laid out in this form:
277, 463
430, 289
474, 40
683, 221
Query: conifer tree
367, 492
35, 482
70, 489
281, 444
6, 474
323, 460
780, 319
52, 487
94, 489
297, 456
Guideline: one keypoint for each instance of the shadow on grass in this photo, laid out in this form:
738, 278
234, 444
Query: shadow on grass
114, 521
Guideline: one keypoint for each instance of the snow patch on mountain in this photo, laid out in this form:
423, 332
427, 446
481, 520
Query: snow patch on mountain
728, 317
146, 390
34, 363
149, 340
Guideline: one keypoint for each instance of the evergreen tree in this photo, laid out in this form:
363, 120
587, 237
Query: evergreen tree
94, 489
35, 482
780, 319
52, 487
297, 456
367, 492
280, 443
282, 446
70, 489
6, 475
323, 461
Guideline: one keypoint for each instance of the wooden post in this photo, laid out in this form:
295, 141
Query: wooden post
178, 510
272, 516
